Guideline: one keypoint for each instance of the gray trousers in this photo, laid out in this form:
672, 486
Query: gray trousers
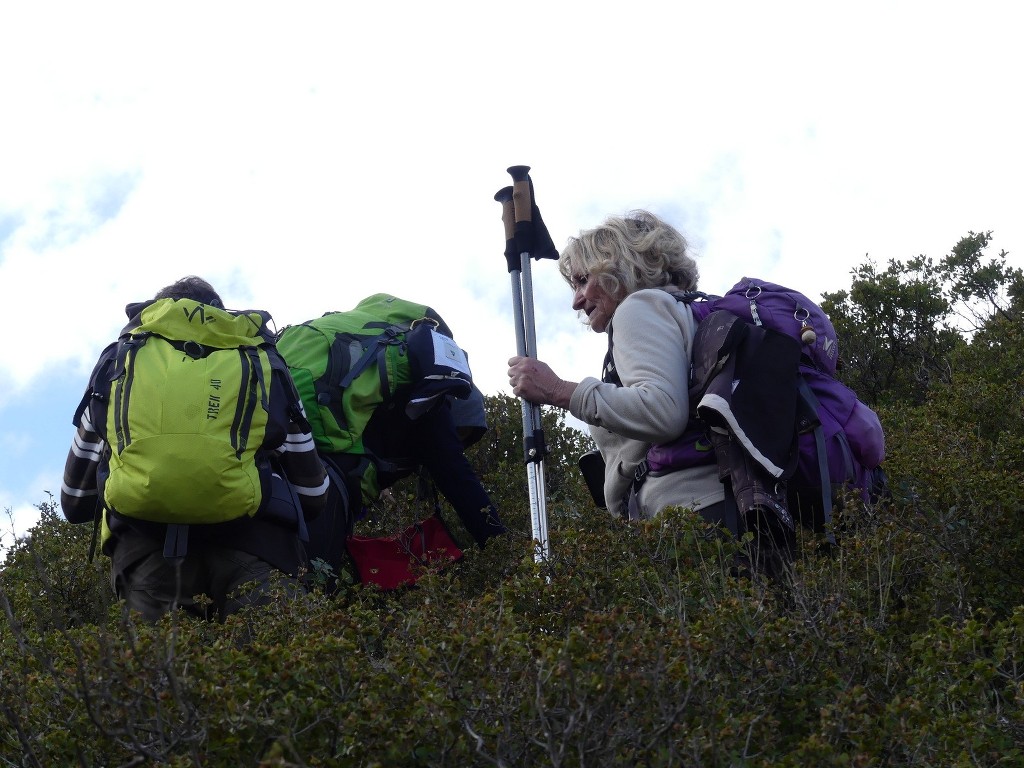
209, 582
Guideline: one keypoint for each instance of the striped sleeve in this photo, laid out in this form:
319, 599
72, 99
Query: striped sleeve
78, 492
304, 468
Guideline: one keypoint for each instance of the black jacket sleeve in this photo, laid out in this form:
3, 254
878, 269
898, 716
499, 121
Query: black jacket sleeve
438, 448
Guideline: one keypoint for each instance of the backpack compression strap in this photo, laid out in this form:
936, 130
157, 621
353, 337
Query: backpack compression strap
819, 443
253, 379
387, 338
329, 388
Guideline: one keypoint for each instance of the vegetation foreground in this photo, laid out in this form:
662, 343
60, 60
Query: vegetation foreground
631, 645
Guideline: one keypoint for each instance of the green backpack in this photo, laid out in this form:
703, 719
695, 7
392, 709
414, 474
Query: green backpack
184, 407
386, 353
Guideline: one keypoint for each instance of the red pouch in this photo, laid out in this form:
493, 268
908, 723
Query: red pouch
394, 561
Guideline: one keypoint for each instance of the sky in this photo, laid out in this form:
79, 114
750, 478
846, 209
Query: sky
301, 156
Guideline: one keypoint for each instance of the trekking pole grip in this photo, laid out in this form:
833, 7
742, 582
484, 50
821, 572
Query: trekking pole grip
521, 192
508, 215
508, 218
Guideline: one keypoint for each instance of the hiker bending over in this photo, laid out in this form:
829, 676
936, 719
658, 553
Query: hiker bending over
622, 273
194, 458
389, 394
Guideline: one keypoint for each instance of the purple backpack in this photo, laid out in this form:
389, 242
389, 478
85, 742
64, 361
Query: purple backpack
845, 450
781, 309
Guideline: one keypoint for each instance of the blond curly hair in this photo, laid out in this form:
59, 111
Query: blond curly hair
628, 253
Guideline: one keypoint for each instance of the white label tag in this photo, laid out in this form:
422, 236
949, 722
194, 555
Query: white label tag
447, 352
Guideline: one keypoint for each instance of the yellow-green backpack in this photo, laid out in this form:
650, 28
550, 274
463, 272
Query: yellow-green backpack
186, 410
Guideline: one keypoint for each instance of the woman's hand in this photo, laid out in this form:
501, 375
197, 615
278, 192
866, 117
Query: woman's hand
534, 381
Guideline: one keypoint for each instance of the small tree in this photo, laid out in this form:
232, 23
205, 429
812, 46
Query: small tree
47, 578
902, 325
892, 327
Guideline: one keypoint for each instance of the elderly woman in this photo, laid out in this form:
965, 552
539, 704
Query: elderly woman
622, 274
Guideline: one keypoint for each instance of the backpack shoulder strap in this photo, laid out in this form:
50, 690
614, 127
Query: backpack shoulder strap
809, 399
608, 373
688, 297
279, 371
95, 397
701, 304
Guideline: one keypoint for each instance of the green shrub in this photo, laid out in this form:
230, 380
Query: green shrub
633, 644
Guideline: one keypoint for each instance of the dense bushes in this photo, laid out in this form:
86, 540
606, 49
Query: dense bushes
632, 646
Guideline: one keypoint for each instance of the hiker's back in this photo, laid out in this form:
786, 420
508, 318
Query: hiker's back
192, 455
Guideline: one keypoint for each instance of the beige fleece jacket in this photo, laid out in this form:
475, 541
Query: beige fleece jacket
653, 339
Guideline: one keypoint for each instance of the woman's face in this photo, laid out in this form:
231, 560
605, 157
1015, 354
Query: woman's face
594, 301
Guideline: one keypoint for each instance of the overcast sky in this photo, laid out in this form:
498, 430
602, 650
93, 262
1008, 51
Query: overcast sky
303, 155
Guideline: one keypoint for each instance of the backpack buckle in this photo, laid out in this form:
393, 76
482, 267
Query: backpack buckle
433, 323
193, 349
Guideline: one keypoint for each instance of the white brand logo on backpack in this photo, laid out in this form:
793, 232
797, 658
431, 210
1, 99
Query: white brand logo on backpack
829, 347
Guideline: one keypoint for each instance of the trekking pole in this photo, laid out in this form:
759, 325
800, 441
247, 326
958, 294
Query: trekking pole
522, 227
